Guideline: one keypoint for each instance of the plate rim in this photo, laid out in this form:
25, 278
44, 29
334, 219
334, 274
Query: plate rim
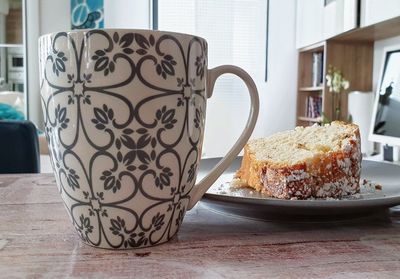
374, 202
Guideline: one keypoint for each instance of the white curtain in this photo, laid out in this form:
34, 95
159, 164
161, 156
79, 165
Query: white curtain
236, 34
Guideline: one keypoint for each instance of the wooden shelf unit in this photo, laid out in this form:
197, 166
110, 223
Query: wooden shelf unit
352, 53
353, 58
309, 119
306, 88
378, 31
11, 45
311, 89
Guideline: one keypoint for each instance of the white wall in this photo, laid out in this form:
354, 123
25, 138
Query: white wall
278, 95
54, 16
32, 34
127, 14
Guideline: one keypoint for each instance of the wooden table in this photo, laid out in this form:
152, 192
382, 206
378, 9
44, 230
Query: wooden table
37, 240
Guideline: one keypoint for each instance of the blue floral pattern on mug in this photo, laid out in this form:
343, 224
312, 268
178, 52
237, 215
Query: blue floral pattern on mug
124, 119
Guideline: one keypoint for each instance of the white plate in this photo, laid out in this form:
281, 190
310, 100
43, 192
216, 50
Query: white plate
249, 203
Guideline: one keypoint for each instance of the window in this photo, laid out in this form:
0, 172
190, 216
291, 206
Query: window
236, 34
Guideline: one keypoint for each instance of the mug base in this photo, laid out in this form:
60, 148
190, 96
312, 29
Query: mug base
130, 248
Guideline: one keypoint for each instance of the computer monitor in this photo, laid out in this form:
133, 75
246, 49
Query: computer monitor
385, 120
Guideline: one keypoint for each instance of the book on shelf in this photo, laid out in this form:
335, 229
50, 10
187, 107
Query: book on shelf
313, 106
317, 69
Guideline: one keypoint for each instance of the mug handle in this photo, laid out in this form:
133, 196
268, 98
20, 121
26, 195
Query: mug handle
200, 188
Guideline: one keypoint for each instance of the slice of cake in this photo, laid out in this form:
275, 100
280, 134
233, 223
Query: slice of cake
316, 161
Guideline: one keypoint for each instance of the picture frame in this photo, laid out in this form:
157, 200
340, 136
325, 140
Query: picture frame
87, 14
385, 118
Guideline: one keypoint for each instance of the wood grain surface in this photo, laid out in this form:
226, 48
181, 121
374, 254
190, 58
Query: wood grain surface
38, 241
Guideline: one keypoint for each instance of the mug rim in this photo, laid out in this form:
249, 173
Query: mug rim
109, 30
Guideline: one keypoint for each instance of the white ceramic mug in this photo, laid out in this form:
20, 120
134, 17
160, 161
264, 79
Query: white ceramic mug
124, 115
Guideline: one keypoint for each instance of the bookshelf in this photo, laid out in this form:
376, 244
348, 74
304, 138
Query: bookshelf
310, 89
310, 119
310, 84
353, 58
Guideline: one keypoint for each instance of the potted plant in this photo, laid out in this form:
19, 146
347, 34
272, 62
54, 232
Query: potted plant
337, 84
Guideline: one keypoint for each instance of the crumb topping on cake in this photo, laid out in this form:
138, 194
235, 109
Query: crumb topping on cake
303, 144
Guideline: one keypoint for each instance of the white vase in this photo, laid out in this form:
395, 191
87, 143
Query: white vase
360, 106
